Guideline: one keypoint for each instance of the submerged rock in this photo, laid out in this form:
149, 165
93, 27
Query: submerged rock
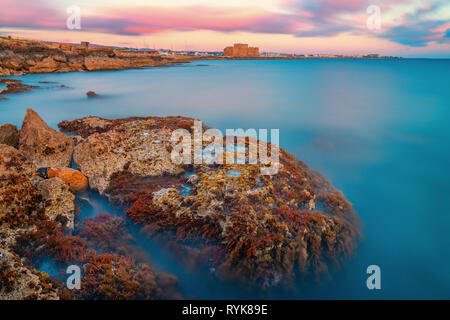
91, 94
258, 230
9, 135
42, 145
15, 86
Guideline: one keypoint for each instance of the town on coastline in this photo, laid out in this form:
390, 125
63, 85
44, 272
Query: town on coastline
23, 56
238, 50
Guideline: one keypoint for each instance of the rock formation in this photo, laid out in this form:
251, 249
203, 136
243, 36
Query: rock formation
18, 282
263, 231
36, 224
19, 57
259, 231
143, 148
42, 145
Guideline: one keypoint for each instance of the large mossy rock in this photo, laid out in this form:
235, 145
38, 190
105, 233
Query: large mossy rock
261, 230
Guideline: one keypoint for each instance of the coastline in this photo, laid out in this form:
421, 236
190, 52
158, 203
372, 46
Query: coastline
19, 57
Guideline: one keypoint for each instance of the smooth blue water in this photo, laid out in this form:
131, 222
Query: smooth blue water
378, 129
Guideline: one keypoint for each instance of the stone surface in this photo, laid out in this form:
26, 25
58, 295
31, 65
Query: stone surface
59, 201
140, 144
91, 94
9, 135
20, 202
42, 145
76, 180
18, 282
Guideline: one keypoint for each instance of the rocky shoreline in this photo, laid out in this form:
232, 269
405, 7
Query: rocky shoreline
247, 229
18, 57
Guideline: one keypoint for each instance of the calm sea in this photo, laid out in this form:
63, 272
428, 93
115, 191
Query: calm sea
378, 129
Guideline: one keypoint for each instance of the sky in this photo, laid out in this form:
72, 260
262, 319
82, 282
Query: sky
409, 28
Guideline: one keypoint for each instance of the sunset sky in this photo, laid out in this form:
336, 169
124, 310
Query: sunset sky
411, 28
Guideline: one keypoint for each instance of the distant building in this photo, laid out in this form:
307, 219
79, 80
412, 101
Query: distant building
85, 44
241, 50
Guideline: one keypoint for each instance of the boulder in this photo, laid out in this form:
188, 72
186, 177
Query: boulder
91, 94
9, 135
76, 180
42, 145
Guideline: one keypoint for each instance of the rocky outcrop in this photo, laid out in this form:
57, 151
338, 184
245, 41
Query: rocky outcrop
18, 282
15, 86
58, 200
9, 135
19, 57
258, 230
142, 145
42, 145
36, 214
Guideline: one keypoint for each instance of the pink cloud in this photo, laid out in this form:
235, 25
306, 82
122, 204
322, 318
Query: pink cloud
30, 14
156, 19
301, 18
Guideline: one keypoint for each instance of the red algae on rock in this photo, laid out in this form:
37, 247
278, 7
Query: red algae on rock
18, 282
105, 275
36, 222
257, 230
